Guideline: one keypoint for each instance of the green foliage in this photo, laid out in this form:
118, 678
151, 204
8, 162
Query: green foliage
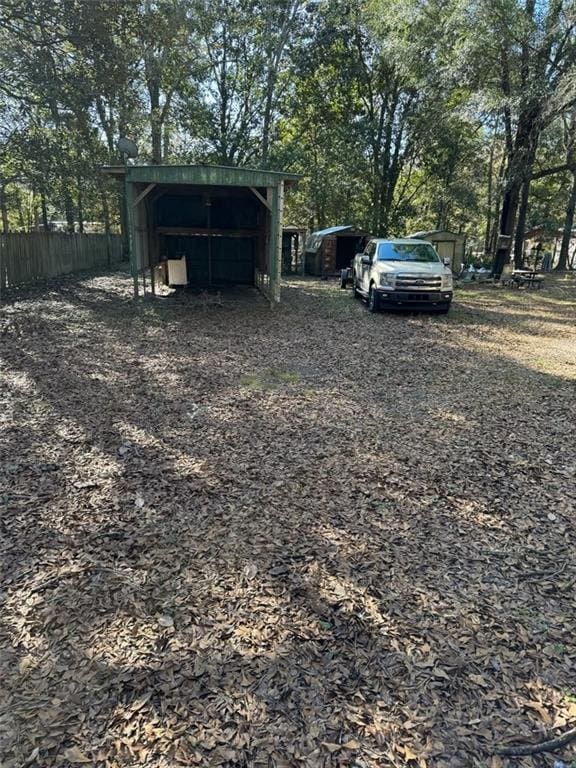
396, 114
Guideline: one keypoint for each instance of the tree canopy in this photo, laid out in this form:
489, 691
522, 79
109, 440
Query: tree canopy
400, 116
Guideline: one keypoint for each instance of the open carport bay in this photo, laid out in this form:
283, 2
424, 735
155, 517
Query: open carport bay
215, 231
207, 225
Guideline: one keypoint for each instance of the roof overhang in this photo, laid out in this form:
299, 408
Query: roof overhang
331, 230
425, 234
202, 175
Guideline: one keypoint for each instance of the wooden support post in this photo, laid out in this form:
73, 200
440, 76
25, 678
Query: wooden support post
209, 222
278, 275
143, 194
276, 197
150, 245
128, 198
260, 197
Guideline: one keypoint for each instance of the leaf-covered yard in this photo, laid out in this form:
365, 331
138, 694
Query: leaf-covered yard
307, 537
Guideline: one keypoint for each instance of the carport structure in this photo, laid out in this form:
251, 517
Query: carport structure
220, 226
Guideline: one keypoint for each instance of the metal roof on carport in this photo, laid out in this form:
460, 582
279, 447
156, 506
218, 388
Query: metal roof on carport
202, 175
267, 186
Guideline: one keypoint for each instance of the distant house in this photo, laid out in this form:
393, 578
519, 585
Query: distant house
540, 240
88, 227
449, 245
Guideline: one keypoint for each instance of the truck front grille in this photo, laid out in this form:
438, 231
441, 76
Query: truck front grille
418, 282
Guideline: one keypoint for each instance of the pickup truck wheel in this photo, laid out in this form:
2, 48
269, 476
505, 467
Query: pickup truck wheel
373, 300
343, 278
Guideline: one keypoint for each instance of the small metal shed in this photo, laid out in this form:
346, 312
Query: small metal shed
448, 244
329, 250
208, 225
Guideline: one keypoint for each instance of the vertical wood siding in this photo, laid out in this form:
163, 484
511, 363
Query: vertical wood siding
35, 256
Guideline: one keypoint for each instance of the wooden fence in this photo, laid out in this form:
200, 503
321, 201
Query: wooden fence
35, 256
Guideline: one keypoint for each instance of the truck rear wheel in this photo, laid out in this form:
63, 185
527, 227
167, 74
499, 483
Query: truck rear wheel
373, 300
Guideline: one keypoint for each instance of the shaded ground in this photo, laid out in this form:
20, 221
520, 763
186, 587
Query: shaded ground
307, 537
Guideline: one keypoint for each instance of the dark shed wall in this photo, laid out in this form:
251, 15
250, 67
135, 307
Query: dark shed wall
214, 262
213, 258
192, 211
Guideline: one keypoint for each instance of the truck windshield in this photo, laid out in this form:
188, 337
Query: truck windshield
406, 252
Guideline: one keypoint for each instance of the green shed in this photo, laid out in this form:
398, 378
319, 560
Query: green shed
204, 225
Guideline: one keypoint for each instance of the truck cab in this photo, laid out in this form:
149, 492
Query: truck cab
402, 274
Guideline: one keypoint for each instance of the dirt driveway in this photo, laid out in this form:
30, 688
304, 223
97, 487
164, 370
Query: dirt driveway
307, 537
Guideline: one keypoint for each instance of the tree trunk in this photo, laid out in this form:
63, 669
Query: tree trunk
44, 208
107, 126
521, 163
497, 209
507, 220
440, 214
529, 158
568, 224
165, 141
69, 211
392, 147
21, 218
105, 211
489, 192
377, 167
35, 212
488, 230
570, 142
4, 210
521, 225
267, 123
376, 186
518, 174
494, 232
155, 123
80, 207
282, 27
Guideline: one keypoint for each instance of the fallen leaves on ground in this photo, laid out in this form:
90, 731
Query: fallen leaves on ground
232, 536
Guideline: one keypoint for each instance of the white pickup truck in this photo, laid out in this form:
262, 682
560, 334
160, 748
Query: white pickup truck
406, 274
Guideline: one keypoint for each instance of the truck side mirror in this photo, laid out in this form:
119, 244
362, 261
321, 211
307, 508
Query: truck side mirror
366, 259
446, 262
